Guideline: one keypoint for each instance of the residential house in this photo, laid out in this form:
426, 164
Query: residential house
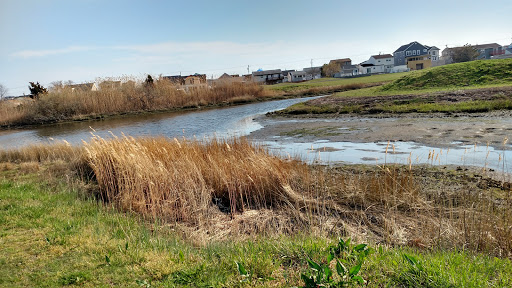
84, 87
194, 79
296, 76
506, 53
268, 76
313, 73
377, 64
105, 85
285, 74
415, 56
175, 79
486, 51
226, 76
247, 77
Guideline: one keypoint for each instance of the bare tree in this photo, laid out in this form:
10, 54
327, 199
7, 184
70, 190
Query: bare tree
55, 86
330, 69
3, 91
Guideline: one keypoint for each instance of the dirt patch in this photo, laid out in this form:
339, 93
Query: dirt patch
452, 96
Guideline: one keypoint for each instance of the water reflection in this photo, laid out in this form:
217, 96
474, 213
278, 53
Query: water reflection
326, 152
231, 121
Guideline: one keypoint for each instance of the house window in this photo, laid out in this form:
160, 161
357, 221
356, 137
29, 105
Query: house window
413, 52
424, 50
418, 53
408, 53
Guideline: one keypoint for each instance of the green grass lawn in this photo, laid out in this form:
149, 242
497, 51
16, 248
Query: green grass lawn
50, 236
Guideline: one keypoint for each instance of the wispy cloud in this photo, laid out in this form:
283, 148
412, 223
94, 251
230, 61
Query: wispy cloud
42, 53
165, 48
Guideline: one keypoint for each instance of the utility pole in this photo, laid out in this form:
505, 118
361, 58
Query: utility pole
247, 69
311, 63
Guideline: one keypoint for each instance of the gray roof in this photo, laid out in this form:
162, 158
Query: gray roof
312, 69
382, 56
298, 73
266, 72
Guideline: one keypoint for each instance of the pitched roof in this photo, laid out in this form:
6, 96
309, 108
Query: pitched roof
382, 56
312, 69
406, 46
484, 46
298, 73
266, 72
340, 61
83, 86
403, 47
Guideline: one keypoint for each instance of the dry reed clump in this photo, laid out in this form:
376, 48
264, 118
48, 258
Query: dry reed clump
422, 208
179, 180
67, 104
43, 153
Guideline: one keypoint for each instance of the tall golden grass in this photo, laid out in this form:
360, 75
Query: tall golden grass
66, 104
234, 187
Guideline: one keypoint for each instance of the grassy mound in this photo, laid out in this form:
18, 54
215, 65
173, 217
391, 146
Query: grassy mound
475, 73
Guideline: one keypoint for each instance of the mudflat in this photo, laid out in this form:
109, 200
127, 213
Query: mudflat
435, 130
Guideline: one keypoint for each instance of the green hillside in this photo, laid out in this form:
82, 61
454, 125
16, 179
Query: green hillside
475, 73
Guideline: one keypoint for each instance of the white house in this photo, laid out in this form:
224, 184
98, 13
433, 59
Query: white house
297, 76
377, 64
268, 76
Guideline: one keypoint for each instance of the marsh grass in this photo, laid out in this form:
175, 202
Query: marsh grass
219, 189
65, 104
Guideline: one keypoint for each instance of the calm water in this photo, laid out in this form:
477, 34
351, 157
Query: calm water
232, 121
240, 121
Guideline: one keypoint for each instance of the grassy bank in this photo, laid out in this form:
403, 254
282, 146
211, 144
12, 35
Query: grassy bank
66, 105
426, 91
448, 102
474, 73
332, 85
54, 233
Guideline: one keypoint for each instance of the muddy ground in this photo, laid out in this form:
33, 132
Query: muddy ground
435, 129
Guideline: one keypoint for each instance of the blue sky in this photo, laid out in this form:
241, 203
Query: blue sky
80, 40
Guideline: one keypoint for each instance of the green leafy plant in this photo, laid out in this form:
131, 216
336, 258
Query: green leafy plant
348, 261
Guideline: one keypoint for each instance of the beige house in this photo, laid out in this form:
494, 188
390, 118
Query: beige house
84, 87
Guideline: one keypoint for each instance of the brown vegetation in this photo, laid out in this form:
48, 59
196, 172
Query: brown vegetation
220, 188
68, 104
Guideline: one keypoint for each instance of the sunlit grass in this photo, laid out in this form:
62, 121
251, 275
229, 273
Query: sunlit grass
52, 236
